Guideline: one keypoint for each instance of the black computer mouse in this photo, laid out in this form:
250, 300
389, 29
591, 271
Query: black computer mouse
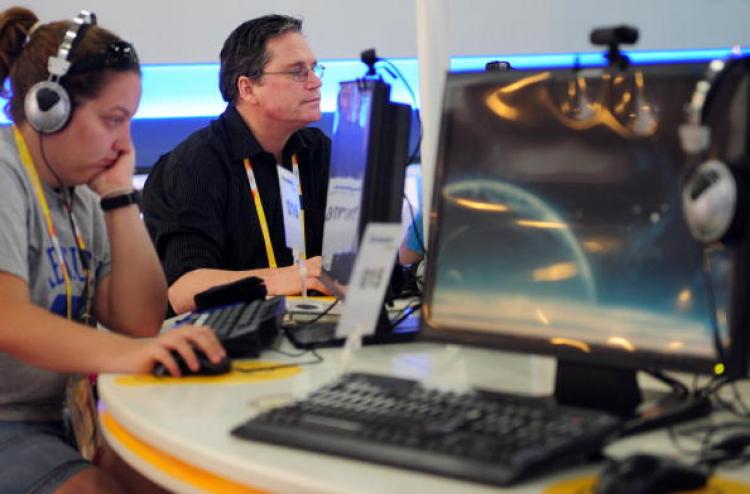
648, 474
207, 368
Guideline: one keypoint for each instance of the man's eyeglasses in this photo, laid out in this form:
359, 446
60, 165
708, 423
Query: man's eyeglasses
300, 74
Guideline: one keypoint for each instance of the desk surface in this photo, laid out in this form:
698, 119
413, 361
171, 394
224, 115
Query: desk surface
190, 420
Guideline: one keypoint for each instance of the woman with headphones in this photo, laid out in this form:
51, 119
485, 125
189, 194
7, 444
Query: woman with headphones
73, 248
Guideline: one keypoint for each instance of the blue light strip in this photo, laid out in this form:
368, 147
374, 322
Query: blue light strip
176, 91
462, 64
558, 60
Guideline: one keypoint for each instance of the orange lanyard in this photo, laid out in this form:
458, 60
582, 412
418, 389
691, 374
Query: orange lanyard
28, 163
255, 193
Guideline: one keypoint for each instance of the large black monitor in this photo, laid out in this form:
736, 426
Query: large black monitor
368, 162
557, 227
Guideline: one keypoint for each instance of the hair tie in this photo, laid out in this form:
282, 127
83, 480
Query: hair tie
32, 30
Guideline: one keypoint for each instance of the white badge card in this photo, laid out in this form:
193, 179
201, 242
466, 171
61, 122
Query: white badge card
369, 280
289, 188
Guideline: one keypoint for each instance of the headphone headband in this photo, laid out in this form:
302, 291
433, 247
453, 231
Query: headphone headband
698, 100
58, 65
695, 137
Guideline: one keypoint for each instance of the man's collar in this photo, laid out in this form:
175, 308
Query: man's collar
242, 142
297, 142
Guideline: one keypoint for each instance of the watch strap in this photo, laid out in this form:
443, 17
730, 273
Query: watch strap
120, 200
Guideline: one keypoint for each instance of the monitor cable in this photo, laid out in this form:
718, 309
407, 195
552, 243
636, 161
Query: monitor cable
417, 230
370, 59
725, 444
404, 314
736, 405
722, 445
678, 388
391, 68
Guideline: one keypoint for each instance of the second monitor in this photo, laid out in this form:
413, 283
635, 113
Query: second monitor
558, 229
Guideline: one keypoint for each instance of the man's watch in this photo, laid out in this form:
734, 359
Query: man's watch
122, 200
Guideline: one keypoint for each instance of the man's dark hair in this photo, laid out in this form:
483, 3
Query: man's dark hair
244, 51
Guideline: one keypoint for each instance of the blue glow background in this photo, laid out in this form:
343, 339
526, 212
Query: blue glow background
180, 98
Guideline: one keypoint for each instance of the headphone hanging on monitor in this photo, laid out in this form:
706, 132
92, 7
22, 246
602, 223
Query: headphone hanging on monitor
47, 104
713, 192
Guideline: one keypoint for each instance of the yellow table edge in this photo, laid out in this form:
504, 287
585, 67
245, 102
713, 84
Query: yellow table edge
316, 298
586, 484
170, 465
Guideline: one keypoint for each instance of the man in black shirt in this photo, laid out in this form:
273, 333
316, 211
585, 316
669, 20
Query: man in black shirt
212, 205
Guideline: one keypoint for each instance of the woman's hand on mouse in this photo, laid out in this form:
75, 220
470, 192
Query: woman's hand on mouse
140, 355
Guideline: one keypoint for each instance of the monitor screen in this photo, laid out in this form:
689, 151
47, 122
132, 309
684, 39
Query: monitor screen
557, 225
366, 182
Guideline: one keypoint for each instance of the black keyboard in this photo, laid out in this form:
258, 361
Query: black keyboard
482, 436
243, 328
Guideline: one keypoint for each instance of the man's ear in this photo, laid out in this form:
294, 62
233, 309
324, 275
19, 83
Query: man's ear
246, 89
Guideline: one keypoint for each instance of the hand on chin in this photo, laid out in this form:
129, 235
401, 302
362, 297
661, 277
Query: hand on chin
116, 178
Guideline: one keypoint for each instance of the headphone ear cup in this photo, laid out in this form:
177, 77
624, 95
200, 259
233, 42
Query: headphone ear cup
47, 107
710, 201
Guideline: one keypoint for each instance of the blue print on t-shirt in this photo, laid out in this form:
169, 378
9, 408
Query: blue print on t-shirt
73, 261
59, 305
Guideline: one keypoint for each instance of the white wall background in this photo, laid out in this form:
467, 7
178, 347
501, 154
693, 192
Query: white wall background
178, 31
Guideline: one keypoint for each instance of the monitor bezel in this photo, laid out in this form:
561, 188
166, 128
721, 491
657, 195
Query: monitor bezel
385, 167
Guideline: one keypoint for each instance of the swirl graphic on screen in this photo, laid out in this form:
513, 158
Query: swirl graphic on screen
513, 219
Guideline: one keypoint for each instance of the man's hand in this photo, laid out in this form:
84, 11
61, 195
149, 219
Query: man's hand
287, 280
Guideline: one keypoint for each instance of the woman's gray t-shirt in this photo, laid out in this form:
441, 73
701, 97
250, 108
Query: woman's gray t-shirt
27, 392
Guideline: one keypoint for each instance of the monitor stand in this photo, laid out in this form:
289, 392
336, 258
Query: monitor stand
616, 391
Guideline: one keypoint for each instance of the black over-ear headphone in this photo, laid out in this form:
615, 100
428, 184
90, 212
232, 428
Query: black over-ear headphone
715, 190
47, 105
